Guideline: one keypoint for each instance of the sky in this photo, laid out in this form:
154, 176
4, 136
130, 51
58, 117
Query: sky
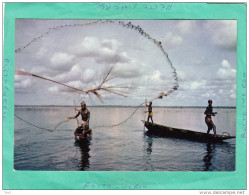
196, 57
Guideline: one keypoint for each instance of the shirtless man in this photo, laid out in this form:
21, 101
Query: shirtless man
85, 114
208, 119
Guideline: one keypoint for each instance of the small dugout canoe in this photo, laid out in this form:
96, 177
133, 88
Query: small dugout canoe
81, 138
160, 130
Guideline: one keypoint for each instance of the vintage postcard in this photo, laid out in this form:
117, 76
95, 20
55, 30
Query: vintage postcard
152, 95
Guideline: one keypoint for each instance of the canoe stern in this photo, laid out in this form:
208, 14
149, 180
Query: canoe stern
164, 131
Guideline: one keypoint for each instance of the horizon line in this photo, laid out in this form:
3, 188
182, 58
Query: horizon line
123, 106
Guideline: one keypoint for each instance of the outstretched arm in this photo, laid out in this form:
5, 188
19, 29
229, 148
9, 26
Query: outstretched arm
72, 117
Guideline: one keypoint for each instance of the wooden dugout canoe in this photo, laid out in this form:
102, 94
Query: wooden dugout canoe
80, 138
160, 130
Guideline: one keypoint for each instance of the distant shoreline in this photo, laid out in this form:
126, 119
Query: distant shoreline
113, 106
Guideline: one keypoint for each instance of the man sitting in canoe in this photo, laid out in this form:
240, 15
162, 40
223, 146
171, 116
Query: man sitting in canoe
85, 114
208, 119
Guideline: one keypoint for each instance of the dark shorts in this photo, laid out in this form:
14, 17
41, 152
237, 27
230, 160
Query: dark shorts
79, 130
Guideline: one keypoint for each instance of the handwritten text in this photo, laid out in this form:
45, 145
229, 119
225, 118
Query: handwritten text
89, 185
5, 87
243, 114
133, 6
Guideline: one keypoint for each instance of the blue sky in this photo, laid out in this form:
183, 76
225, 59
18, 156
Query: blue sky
203, 52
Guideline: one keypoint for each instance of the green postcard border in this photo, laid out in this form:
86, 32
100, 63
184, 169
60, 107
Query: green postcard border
121, 180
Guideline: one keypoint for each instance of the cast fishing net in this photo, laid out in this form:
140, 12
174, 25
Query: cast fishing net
108, 62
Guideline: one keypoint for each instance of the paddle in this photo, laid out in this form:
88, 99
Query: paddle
145, 105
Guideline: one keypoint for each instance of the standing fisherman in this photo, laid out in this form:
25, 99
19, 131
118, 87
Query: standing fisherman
150, 113
208, 119
85, 114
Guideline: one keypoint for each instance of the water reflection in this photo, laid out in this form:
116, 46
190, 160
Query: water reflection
149, 146
84, 150
209, 155
147, 151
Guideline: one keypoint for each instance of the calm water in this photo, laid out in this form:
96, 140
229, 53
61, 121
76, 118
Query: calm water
120, 148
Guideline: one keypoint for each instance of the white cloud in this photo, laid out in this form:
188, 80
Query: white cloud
73, 73
39, 70
181, 95
22, 82
78, 72
226, 72
53, 89
75, 70
225, 64
172, 40
61, 59
233, 92
41, 52
208, 95
130, 70
181, 75
195, 85
186, 26
111, 44
18, 78
89, 45
77, 84
88, 75
105, 51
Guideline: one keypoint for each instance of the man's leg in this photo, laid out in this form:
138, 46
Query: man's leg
214, 128
209, 128
83, 129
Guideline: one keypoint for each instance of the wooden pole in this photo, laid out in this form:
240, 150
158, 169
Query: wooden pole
76, 113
